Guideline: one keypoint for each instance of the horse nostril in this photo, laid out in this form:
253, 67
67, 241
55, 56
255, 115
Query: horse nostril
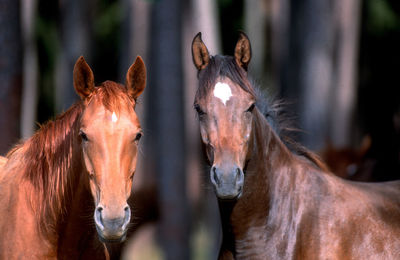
214, 177
99, 209
127, 217
237, 173
239, 177
98, 218
127, 211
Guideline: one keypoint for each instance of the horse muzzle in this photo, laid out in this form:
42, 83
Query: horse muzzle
228, 182
112, 229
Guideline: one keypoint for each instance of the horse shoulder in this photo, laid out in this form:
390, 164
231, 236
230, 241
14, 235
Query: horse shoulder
20, 237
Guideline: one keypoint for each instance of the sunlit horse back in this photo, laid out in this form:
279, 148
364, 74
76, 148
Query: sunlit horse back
74, 175
276, 199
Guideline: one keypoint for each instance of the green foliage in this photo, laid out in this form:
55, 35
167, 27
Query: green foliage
108, 19
381, 17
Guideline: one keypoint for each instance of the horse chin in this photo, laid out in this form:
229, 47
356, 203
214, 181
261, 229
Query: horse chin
111, 239
224, 195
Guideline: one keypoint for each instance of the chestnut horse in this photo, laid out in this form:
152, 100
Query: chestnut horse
74, 175
278, 201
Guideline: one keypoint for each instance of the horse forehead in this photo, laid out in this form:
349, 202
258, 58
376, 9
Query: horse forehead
225, 88
99, 115
227, 97
222, 91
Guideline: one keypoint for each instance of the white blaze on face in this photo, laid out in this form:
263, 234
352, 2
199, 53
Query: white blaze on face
222, 91
114, 117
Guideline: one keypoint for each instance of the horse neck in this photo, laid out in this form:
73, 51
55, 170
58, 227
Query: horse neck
268, 158
54, 162
265, 158
274, 180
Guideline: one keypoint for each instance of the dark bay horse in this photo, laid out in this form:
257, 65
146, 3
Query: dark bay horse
74, 175
278, 201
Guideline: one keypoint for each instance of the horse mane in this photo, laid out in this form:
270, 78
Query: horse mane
272, 109
47, 156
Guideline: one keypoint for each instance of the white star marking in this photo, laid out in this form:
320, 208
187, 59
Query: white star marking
222, 91
114, 117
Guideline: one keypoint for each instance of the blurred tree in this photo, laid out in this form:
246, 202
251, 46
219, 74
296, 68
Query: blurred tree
75, 40
10, 73
205, 17
279, 22
342, 102
199, 16
135, 33
315, 57
30, 68
166, 107
256, 27
47, 43
307, 70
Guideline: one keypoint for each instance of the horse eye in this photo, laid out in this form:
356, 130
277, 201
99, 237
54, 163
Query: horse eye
91, 176
138, 136
250, 109
83, 136
198, 110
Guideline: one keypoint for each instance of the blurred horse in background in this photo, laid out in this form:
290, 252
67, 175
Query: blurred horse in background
277, 200
71, 180
376, 159
350, 163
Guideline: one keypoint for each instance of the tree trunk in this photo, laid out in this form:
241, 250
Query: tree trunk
256, 21
205, 17
314, 45
30, 69
166, 106
280, 11
200, 16
307, 68
10, 73
135, 33
76, 35
347, 14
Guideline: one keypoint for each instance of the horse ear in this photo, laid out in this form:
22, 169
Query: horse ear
243, 51
136, 78
83, 78
200, 55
